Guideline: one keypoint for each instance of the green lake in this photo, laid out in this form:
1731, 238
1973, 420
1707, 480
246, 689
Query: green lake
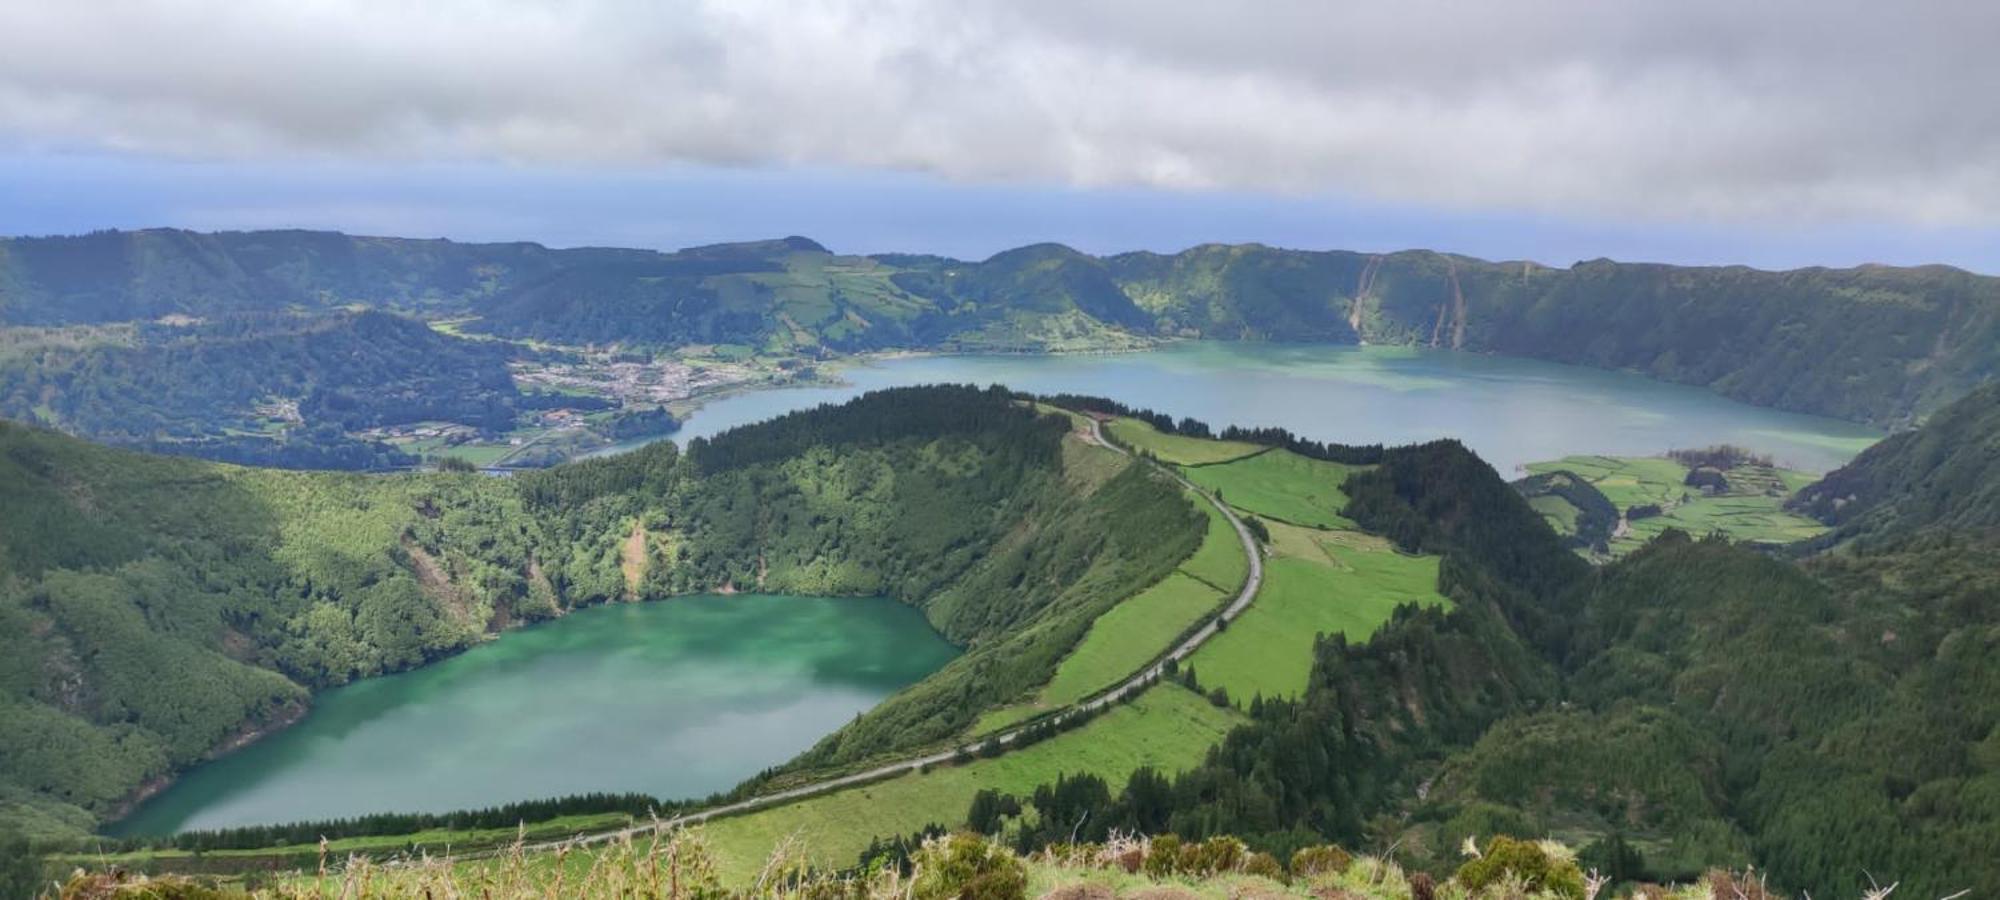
1510, 411
676, 698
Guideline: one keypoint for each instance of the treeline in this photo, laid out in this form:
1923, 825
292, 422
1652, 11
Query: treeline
1720, 456
257, 837
879, 417
1187, 426
314, 448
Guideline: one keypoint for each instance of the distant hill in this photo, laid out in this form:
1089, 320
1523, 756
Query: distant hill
209, 388
115, 276
1876, 344
1945, 475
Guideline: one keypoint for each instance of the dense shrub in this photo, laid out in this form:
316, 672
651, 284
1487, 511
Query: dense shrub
965, 867
1526, 861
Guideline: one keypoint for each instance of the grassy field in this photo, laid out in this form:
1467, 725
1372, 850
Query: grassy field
1139, 628
1167, 728
1219, 561
1173, 448
1281, 485
1760, 519
1753, 509
1130, 635
1560, 513
1625, 481
1317, 582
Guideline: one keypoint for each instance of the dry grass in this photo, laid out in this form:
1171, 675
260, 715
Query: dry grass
676, 865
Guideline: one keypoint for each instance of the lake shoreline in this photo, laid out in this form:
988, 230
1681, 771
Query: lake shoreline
252, 734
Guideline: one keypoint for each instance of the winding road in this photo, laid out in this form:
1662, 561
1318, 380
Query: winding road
1136, 682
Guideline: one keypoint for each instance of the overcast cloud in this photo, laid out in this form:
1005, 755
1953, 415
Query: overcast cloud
1736, 111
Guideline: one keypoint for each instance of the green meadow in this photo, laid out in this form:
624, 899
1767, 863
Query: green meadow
1279, 484
1167, 728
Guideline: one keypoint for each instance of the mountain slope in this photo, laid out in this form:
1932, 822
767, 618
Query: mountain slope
1698, 702
1943, 475
113, 276
1876, 344
153, 608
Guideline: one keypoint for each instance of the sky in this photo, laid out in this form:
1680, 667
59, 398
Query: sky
1778, 134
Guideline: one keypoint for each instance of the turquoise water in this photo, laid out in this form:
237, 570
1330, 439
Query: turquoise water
1510, 411
676, 698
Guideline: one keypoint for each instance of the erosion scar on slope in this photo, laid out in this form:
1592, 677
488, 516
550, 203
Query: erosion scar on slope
1362, 286
632, 559
436, 583
1458, 306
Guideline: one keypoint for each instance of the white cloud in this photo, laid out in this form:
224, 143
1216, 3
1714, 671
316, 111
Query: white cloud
1790, 110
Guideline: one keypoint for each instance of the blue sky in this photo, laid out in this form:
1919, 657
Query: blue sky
1777, 134
861, 211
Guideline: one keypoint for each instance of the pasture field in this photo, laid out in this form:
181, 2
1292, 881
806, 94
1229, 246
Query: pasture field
1141, 626
1219, 560
1173, 448
1167, 727
1561, 514
1281, 485
1123, 640
1752, 509
1316, 583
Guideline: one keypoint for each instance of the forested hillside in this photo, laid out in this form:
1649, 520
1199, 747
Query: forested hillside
1695, 704
1875, 344
153, 608
1945, 475
260, 387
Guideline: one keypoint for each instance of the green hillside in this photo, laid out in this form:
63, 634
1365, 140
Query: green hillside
1941, 476
1441, 669
1697, 703
155, 607
269, 388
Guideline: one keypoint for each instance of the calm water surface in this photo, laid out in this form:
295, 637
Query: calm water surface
1510, 411
677, 698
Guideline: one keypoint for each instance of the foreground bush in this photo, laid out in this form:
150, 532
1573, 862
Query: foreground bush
1526, 863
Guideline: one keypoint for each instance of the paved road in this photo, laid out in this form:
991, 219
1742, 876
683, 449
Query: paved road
1135, 683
